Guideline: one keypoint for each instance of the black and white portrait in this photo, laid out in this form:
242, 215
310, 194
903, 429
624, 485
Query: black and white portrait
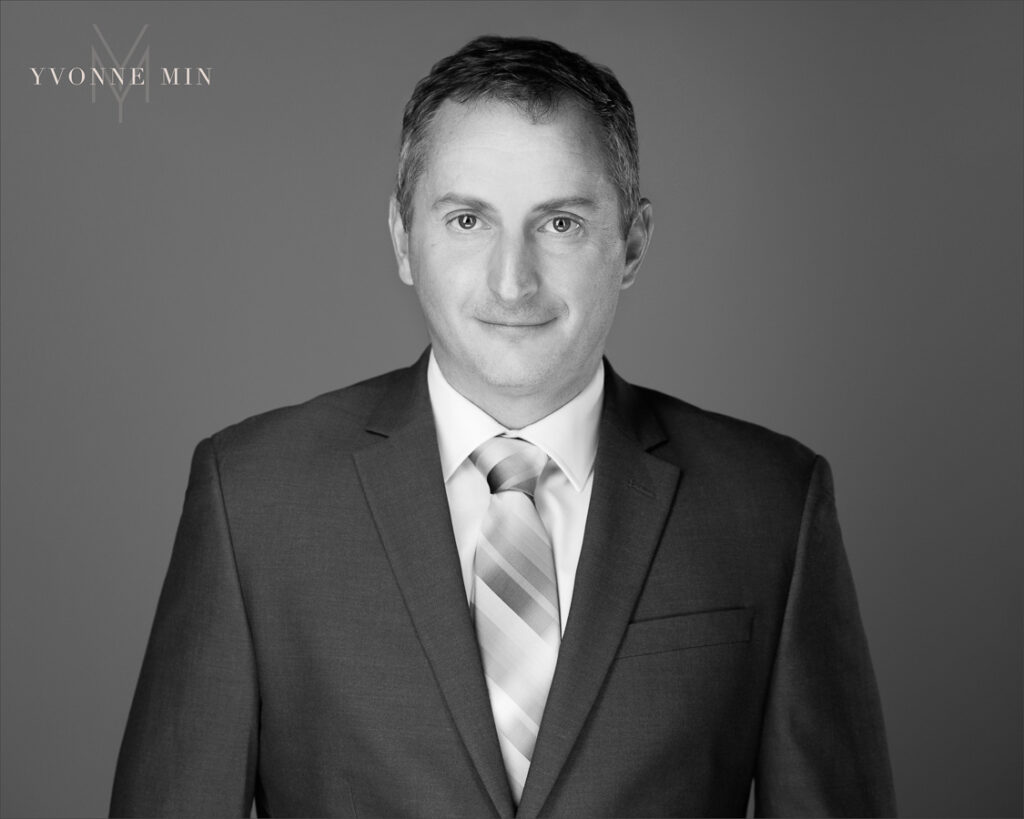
513, 409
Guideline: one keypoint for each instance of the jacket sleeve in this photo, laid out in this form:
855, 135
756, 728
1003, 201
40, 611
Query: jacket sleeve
190, 745
823, 749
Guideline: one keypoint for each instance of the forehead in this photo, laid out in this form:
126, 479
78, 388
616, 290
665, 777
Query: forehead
487, 142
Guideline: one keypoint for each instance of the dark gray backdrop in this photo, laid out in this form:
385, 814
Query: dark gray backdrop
838, 252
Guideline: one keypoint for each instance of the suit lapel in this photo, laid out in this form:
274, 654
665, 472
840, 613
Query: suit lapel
401, 477
632, 494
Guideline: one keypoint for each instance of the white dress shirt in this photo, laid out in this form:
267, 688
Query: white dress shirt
569, 438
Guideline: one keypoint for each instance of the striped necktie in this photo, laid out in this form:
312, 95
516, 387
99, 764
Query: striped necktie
515, 600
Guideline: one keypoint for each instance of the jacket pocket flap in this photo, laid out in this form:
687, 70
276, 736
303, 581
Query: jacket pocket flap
704, 628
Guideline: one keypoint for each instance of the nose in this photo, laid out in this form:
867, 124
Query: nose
512, 275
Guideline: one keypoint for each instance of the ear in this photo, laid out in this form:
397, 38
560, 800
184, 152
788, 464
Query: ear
637, 241
399, 240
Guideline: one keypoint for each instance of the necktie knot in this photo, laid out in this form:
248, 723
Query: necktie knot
510, 464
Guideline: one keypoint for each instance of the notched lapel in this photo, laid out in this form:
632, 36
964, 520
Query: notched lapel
401, 477
631, 498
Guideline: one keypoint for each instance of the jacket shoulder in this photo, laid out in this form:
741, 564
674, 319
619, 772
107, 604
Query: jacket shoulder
702, 441
332, 421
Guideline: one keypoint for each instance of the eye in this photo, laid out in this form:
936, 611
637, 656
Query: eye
466, 221
561, 224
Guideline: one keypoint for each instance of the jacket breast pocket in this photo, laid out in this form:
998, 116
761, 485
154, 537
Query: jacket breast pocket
703, 628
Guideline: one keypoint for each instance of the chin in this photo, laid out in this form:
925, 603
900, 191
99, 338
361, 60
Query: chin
513, 381
511, 373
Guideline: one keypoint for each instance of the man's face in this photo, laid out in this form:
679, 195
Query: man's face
516, 251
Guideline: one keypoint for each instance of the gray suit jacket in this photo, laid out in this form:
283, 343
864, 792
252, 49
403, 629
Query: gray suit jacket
313, 650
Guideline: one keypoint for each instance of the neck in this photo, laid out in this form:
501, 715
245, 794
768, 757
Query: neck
516, 410
516, 413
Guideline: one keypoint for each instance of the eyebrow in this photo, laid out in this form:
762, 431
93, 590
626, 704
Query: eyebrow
463, 202
564, 203
472, 202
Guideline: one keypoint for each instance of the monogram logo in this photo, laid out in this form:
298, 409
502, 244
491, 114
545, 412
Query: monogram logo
120, 88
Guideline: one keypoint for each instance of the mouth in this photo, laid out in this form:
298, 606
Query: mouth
516, 325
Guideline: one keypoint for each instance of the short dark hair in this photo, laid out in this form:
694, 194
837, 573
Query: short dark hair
537, 76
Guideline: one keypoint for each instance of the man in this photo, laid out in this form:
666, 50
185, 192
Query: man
504, 581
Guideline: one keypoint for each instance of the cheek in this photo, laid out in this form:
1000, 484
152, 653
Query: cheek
434, 275
592, 291
599, 312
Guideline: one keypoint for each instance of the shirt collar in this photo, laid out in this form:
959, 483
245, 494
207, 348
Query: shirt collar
568, 435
